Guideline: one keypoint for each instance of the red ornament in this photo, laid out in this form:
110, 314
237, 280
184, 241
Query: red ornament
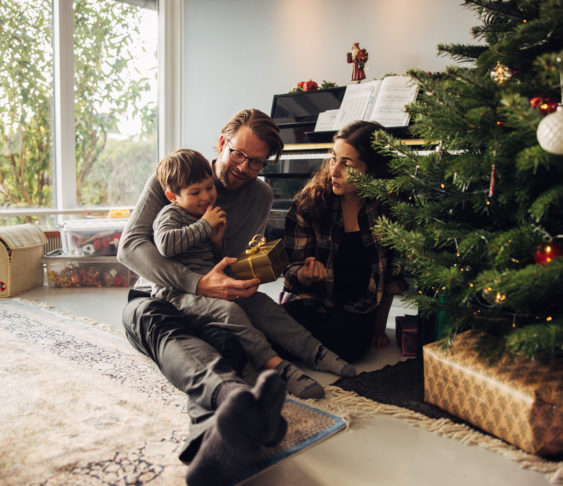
307, 85
310, 85
547, 252
544, 105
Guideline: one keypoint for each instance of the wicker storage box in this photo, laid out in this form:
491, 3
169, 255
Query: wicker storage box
21, 252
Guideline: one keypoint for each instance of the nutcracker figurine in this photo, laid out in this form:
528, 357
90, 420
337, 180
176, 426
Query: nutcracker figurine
358, 57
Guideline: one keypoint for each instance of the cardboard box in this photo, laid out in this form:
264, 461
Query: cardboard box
21, 252
519, 401
92, 237
265, 260
65, 271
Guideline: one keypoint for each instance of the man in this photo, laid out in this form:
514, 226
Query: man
230, 420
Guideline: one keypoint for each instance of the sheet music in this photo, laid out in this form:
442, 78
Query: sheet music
357, 98
388, 108
325, 121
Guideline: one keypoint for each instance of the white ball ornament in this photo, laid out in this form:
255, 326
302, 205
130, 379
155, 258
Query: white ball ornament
550, 132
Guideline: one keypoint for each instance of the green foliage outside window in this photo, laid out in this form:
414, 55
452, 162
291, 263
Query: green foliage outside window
104, 93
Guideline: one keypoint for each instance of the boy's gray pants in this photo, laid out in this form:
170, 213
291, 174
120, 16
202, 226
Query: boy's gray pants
255, 320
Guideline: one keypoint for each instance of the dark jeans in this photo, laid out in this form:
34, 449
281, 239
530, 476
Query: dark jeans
348, 334
191, 352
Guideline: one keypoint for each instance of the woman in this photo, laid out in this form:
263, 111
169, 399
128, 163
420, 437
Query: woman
339, 280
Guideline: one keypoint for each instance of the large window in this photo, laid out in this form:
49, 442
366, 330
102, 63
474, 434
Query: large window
115, 95
78, 103
26, 86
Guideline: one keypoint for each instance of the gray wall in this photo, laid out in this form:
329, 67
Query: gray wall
239, 53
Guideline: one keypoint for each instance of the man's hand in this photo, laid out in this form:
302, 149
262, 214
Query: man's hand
312, 271
217, 284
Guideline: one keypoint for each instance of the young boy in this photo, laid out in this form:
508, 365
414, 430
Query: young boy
191, 230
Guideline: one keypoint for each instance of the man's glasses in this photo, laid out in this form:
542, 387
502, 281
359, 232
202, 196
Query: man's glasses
238, 157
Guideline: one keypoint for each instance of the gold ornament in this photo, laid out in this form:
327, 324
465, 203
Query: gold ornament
501, 73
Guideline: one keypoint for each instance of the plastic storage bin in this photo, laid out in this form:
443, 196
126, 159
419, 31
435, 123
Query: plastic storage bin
91, 237
66, 271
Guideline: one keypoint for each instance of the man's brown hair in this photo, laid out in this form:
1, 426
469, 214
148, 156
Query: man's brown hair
260, 124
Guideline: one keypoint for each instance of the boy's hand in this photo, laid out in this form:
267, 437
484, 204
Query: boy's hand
215, 216
218, 234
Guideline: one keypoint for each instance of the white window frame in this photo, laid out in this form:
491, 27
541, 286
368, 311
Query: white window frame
170, 69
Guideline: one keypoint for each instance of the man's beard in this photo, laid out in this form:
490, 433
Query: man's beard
223, 176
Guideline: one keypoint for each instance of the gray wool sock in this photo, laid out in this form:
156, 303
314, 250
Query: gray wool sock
298, 383
247, 419
326, 360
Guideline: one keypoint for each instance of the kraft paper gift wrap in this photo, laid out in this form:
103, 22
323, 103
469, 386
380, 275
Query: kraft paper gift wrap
519, 400
265, 260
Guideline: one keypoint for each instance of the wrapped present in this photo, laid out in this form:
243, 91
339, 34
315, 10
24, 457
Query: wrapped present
265, 260
407, 335
518, 400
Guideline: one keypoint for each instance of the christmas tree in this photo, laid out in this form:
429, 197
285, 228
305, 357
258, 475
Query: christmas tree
477, 217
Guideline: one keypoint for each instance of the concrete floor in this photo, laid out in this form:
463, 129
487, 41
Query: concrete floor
382, 451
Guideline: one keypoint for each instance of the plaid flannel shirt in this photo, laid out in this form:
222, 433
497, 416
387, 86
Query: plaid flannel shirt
304, 239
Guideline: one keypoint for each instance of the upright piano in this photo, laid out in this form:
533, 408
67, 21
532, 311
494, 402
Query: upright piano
296, 115
305, 149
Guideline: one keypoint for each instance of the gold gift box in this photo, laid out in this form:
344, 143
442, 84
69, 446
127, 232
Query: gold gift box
266, 261
519, 401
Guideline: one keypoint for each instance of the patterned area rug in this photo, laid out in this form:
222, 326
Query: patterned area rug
81, 407
401, 384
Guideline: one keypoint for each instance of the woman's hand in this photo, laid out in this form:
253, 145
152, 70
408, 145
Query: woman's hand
381, 341
311, 272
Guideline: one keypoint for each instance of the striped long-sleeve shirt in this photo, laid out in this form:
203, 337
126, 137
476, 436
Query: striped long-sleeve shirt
179, 235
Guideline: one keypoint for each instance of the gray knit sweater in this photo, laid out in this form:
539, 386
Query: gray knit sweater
247, 214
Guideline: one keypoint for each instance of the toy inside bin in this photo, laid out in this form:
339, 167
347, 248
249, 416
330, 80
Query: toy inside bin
91, 237
65, 271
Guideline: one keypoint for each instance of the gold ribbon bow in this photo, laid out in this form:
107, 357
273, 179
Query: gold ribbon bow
255, 244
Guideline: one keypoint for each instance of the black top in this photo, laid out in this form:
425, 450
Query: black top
352, 269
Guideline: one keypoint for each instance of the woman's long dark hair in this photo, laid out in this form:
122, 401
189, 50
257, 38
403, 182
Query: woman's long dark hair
315, 195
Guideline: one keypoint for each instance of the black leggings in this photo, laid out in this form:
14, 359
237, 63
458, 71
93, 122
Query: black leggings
348, 334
